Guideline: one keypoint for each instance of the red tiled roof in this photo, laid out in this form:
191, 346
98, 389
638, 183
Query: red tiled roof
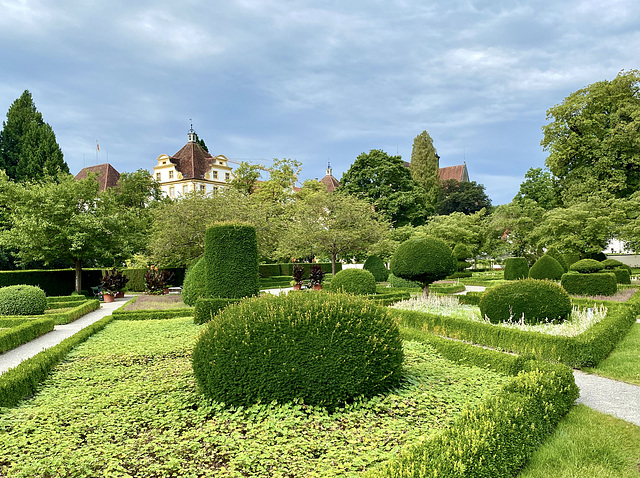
331, 182
192, 161
107, 176
459, 173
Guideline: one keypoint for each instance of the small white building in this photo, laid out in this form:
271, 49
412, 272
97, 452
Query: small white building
192, 169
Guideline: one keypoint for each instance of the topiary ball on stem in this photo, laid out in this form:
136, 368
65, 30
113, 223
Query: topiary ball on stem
326, 349
22, 300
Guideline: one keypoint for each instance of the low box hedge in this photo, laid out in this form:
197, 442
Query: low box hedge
207, 308
120, 314
584, 350
83, 308
472, 297
497, 437
17, 331
22, 381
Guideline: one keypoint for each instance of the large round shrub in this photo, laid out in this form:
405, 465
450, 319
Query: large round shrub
22, 300
325, 349
423, 259
231, 257
538, 300
586, 266
194, 286
379, 270
516, 268
354, 281
546, 268
597, 283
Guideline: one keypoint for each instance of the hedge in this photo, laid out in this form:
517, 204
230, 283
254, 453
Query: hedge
546, 268
22, 381
497, 437
286, 269
152, 314
584, 350
78, 311
207, 308
472, 297
388, 298
596, 283
622, 275
15, 332
516, 268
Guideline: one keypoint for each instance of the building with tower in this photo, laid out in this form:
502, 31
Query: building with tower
192, 169
329, 181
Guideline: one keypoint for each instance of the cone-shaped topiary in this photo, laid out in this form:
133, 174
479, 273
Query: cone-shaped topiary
194, 286
553, 252
537, 300
516, 268
587, 266
326, 349
354, 281
379, 270
22, 300
423, 259
546, 268
231, 258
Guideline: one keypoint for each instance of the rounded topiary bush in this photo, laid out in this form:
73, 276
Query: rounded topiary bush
597, 283
194, 286
537, 300
546, 268
586, 266
399, 283
326, 349
354, 281
622, 275
516, 268
231, 258
379, 270
553, 252
610, 264
22, 300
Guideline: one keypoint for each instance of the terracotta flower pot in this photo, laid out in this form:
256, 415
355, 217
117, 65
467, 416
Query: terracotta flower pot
317, 287
297, 286
108, 297
119, 294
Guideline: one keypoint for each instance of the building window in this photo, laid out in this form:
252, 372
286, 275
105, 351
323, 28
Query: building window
157, 176
215, 189
214, 174
185, 188
172, 191
202, 187
170, 174
227, 176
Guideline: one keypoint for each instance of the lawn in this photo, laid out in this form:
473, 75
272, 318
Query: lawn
623, 363
125, 402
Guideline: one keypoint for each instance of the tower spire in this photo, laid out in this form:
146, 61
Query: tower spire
192, 134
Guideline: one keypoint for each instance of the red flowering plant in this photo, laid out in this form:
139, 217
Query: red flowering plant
156, 281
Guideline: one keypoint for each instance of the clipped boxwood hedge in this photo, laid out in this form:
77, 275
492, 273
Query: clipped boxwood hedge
152, 314
22, 300
423, 259
326, 349
400, 283
622, 275
601, 283
15, 332
206, 309
586, 266
546, 268
536, 300
194, 286
379, 270
516, 268
354, 281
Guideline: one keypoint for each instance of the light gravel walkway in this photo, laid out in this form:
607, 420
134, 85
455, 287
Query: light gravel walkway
13, 357
620, 399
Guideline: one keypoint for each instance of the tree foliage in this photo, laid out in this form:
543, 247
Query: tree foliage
593, 139
461, 196
425, 164
386, 183
28, 147
538, 186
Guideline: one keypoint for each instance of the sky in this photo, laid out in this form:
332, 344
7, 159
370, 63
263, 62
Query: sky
318, 82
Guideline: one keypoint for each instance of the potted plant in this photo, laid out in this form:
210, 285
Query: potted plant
109, 283
298, 273
316, 274
157, 281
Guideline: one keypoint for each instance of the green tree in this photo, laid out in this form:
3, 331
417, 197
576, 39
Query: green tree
512, 226
334, 225
28, 147
60, 220
457, 227
425, 164
593, 139
538, 186
386, 183
245, 178
465, 197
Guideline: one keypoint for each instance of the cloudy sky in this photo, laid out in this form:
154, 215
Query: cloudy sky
317, 82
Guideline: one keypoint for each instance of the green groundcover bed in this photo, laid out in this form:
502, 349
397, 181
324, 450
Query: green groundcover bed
124, 403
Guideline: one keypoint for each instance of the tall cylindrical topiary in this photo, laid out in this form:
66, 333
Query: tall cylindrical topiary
546, 268
516, 268
379, 270
231, 259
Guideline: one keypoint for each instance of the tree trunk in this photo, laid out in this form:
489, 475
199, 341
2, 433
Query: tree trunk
333, 263
425, 291
78, 263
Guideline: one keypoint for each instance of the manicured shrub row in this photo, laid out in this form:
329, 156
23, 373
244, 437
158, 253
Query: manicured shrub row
536, 300
206, 309
78, 311
622, 276
15, 332
584, 350
354, 281
152, 314
379, 270
516, 268
231, 260
326, 349
595, 283
472, 297
388, 298
447, 288
546, 268
65, 299
460, 275
21, 382
497, 437
22, 300
286, 269
275, 282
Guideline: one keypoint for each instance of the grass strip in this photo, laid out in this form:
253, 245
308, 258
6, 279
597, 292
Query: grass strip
623, 363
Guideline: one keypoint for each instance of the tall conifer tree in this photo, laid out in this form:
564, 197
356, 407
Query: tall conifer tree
425, 165
28, 146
